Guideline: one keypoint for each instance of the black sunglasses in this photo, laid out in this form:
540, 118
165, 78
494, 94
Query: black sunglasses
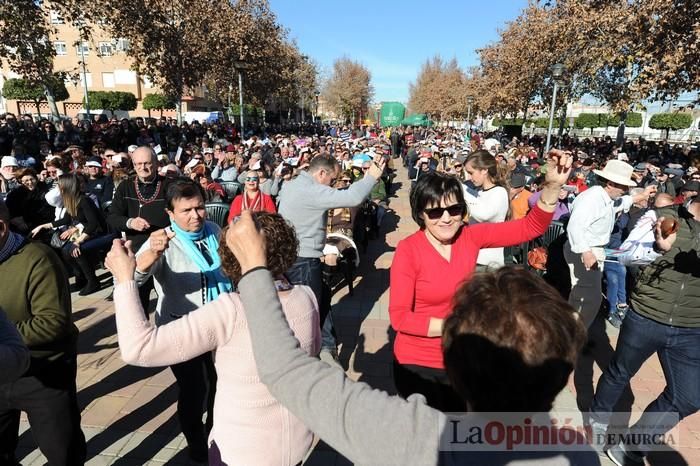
455, 210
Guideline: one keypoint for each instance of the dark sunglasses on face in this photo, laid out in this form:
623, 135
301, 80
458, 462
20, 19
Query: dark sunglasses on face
251, 178
455, 210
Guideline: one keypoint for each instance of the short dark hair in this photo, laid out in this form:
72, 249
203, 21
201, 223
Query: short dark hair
432, 188
281, 246
182, 188
511, 342
322, 162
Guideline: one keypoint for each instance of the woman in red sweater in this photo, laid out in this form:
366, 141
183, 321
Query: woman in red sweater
430, 265
252, 199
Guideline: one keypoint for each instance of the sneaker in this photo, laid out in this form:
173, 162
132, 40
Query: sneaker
621, 458
615, 319
597, 437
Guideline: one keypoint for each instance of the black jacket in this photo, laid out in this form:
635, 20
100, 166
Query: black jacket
126, 204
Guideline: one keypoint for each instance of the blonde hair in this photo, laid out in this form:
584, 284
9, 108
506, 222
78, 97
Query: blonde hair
69, 187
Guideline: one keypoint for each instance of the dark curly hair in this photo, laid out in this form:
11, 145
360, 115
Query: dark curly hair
280, 241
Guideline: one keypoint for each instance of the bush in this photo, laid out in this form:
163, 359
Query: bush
507, 122
591, 120
22, 89
158, 101
671, 121
633, 120
112, 100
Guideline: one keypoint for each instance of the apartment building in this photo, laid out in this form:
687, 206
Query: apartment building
108, 68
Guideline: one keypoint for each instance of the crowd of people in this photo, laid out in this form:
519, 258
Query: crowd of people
302, 202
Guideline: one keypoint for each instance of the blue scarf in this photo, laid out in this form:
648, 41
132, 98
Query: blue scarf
13, 243
216, 281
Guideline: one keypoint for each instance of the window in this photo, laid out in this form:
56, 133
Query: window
108, 79
55, 17
60, 48
122, 45
105, 49
124, 77
85, 48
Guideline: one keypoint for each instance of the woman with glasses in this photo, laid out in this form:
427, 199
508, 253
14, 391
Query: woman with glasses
430, 264
251, 199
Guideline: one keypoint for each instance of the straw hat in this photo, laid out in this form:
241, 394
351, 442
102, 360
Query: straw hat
618, 172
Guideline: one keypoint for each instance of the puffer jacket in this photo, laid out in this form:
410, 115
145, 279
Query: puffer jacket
668, 289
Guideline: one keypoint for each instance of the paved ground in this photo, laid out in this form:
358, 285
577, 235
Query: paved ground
129, 413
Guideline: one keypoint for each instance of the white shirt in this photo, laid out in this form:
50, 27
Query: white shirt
593, 218
488, 206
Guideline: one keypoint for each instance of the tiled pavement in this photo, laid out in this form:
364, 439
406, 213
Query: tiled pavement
129, 412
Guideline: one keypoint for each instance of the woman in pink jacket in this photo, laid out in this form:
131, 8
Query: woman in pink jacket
250, 426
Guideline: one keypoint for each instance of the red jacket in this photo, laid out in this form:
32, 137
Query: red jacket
423, 283
265, 204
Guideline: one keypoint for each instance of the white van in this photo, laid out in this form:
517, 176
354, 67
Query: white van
202, 117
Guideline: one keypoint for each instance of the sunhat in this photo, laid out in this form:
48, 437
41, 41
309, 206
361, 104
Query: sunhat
618, 172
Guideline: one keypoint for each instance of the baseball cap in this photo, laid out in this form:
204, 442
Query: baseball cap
94, 162
9, 161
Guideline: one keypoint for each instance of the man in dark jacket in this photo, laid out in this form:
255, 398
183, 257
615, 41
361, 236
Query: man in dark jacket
138, 206
36, 298
99, 185
664, 318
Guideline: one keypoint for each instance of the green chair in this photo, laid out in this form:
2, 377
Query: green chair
231, 188
217, 212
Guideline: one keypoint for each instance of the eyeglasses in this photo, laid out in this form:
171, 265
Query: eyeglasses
252, 178
457, 165
455, 210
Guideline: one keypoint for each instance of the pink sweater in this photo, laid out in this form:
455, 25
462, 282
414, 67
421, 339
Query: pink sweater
250, 426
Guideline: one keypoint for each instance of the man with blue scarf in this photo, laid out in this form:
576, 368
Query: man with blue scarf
184, 261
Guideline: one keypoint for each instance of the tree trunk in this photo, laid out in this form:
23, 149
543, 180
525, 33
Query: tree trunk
179, 110
52, 102
38, 108
621, 130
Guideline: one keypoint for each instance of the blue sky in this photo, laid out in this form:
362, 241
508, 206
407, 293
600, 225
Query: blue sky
394, 38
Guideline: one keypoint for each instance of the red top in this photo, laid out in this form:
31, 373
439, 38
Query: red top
256, 204
423, 282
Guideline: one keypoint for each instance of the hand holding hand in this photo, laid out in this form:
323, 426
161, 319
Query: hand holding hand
121, 261
246, 242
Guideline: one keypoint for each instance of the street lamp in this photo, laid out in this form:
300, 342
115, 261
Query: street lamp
557, 73
316, 94
470, 101
85, 85
240, 66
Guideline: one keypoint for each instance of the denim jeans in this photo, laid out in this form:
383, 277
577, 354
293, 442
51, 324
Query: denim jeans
307, 271
679, 353
615, 274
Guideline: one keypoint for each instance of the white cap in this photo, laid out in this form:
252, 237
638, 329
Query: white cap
9, 161
93, 163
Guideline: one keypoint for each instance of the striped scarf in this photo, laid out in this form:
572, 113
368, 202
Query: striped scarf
13, 243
